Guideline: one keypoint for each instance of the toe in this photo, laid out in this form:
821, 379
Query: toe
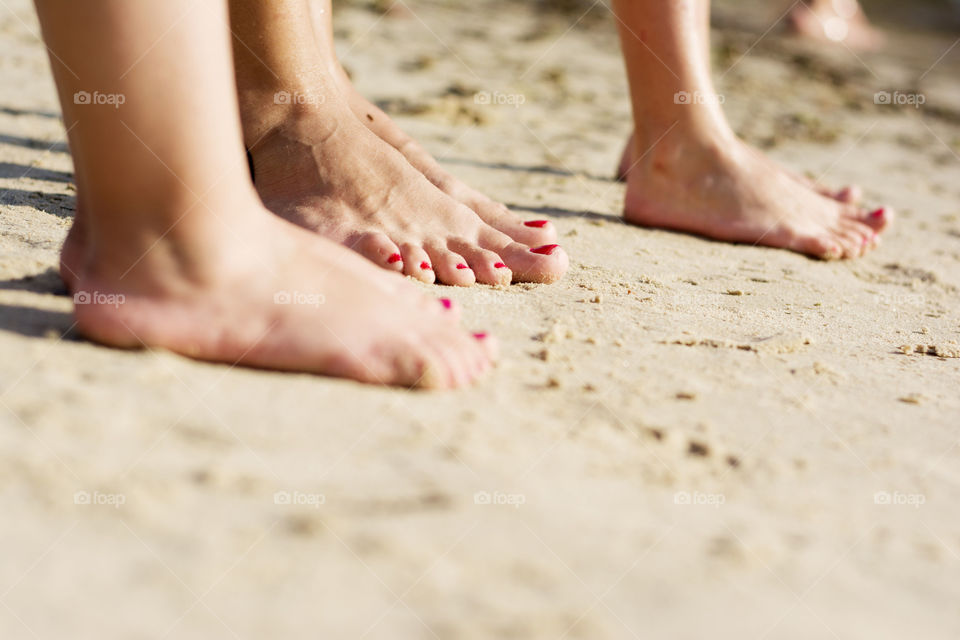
416, 263
879, 219
380, 250
823, 246
488, 267
542, 263
451, 268
533, 232
851, 194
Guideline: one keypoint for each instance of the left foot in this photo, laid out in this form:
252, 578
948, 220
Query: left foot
530, 232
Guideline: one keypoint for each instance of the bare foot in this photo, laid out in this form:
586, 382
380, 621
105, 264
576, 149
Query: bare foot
304, 304
838, 21
530, 232
851, 194
318, 166
727, 191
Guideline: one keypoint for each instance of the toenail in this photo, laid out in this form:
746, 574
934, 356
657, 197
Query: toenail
499, 265
536, 223
462, 266
545, 250
426, 266
480, 336
878, 214
447, 303
395, 258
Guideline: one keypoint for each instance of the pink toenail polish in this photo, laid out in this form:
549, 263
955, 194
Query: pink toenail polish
447, 303
480, 336
878, 214
536, 223
545, 250
395, 258
426, 266
462, 266
498, 265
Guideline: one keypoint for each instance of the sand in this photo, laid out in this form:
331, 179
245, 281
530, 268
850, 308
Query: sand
684, 439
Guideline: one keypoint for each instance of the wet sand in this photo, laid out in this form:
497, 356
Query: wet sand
684, 438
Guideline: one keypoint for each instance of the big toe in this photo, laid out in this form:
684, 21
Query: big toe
543, 264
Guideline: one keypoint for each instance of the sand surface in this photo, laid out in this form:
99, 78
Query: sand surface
684, 439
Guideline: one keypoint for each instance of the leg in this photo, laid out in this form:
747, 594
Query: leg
850, 194
320, 167
533, 232
839, 21
692, 173
178, 252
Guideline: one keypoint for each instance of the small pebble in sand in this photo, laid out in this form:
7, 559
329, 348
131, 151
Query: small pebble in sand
734, 292
589, 387
913, 398
553, 383
686, 395
697, 448
597, 299
543, 354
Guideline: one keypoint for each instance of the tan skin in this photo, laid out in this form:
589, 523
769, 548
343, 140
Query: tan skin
173, 248
320, 166
687, 169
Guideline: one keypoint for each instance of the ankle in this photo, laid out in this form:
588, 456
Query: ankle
682, 149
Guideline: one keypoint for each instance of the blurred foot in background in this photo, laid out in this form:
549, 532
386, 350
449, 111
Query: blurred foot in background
840, 21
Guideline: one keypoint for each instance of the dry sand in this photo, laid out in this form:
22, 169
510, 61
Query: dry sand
685, 439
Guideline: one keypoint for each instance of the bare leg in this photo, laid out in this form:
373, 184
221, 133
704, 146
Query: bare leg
692, 173
178, 252
317, 165
850, 194
839, 21
532, 232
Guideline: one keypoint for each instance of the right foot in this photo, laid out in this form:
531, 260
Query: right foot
267, 294
837, 21
318, 166
727, 191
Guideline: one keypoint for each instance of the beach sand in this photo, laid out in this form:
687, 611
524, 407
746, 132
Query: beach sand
683, 439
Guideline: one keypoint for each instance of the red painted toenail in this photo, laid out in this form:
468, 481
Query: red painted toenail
426, 266
480, 336
545, 250
536, 223
395, 258
499, 265
878, 214
447, 303
462, 266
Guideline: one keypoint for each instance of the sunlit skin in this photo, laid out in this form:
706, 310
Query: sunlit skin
173, 249
331, 162
685, 168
